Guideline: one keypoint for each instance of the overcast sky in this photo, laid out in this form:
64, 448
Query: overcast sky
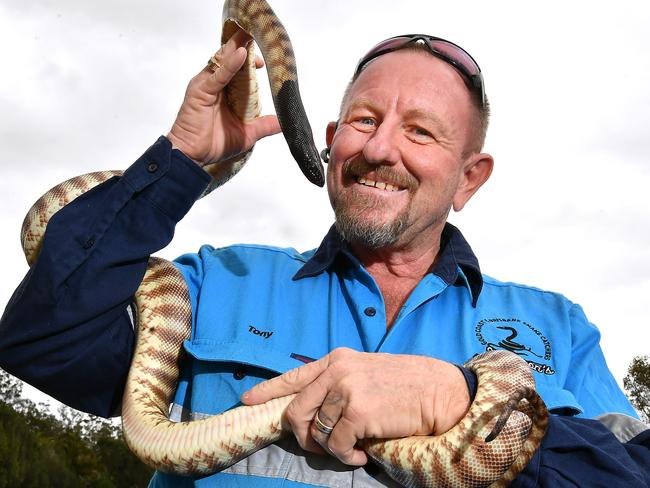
86, 86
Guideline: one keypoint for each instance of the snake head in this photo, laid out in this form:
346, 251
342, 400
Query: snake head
298, 133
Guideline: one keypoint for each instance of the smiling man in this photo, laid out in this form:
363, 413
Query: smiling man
382, 311
401, 158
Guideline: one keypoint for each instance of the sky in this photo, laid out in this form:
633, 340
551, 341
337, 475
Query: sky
87, 86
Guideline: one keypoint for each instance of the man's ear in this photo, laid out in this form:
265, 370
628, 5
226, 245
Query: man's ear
329, 132
476, 171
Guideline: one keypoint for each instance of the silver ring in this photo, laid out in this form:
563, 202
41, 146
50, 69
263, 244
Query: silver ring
325, 429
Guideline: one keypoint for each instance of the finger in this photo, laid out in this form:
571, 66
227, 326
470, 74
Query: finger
230, 64
261, 127
290, 382
259, 62
342, 443
317, 398
239, 39
327, 416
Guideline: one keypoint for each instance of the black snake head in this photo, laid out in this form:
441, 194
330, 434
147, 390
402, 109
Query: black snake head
297, 132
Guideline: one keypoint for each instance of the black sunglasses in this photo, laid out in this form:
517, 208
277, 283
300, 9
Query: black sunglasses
441, 48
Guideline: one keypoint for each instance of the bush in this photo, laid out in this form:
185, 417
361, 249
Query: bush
40, 450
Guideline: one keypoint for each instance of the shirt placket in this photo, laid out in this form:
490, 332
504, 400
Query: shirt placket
428, 289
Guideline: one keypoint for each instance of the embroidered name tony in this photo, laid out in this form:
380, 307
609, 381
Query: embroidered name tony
264, 333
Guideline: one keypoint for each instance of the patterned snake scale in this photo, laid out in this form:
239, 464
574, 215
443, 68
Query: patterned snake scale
258, 19
489, 446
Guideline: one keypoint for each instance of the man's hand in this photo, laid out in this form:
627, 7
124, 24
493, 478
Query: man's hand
206, 130
367, 395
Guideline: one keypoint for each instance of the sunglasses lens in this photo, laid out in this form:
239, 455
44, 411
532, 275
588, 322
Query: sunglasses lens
442, 47
387, 45
456, 54
448, 51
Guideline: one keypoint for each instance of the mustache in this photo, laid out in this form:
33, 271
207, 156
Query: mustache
359, 167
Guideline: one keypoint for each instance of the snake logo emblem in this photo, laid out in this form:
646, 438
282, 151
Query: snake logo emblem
512, 346
522, 339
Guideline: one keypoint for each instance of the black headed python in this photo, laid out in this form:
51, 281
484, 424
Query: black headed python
506, 411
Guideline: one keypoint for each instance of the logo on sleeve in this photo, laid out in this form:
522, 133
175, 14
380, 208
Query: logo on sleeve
516, 336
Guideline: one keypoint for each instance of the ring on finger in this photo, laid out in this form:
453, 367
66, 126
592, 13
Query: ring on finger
325, 429
213, 62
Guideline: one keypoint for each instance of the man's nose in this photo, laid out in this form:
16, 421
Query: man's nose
382, 147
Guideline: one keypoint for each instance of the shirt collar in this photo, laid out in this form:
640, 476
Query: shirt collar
455, 264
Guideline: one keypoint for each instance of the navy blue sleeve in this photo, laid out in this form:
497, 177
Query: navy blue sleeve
581, 452
66, 329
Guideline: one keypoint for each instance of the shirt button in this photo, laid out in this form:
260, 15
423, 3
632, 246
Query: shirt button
370, 311
88, 244
239, 375
152, 168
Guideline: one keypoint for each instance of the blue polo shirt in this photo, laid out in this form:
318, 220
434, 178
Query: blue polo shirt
260, 310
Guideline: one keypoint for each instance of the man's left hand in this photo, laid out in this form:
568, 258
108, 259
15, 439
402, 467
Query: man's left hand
367, 395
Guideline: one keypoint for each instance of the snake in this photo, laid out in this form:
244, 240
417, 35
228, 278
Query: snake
490, 446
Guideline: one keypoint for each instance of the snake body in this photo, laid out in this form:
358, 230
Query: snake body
507, 411
258, 19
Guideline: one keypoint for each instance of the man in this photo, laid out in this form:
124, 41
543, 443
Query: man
391, 277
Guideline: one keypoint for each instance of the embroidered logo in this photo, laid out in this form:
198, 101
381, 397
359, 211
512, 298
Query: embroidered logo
263, 333
516, 336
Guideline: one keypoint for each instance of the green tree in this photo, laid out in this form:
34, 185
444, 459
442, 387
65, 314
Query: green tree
11, 389
124, 469
637, 385
73, 449
27, 457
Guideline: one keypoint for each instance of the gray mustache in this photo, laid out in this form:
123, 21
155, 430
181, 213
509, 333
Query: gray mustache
359, 167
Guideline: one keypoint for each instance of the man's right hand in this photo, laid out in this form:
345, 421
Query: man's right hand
206, 130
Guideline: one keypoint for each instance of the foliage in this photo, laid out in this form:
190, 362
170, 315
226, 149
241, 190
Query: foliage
637, 385
73, 449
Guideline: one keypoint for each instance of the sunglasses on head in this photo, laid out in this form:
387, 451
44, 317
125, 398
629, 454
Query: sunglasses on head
441, 48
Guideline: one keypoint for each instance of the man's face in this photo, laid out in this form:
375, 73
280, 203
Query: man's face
396, 158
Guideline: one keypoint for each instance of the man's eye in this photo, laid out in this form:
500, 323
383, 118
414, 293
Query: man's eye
364, 123
422, 132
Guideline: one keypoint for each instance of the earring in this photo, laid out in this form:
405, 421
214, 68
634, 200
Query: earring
325, 155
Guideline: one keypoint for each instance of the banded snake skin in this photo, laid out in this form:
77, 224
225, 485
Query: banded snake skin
506, 410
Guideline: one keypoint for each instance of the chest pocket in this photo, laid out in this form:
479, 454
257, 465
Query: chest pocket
221, 372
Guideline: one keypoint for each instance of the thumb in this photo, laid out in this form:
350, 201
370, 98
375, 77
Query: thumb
261, 127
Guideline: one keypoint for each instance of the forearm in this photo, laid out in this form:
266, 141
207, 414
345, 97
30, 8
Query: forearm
66, 328
583, 452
